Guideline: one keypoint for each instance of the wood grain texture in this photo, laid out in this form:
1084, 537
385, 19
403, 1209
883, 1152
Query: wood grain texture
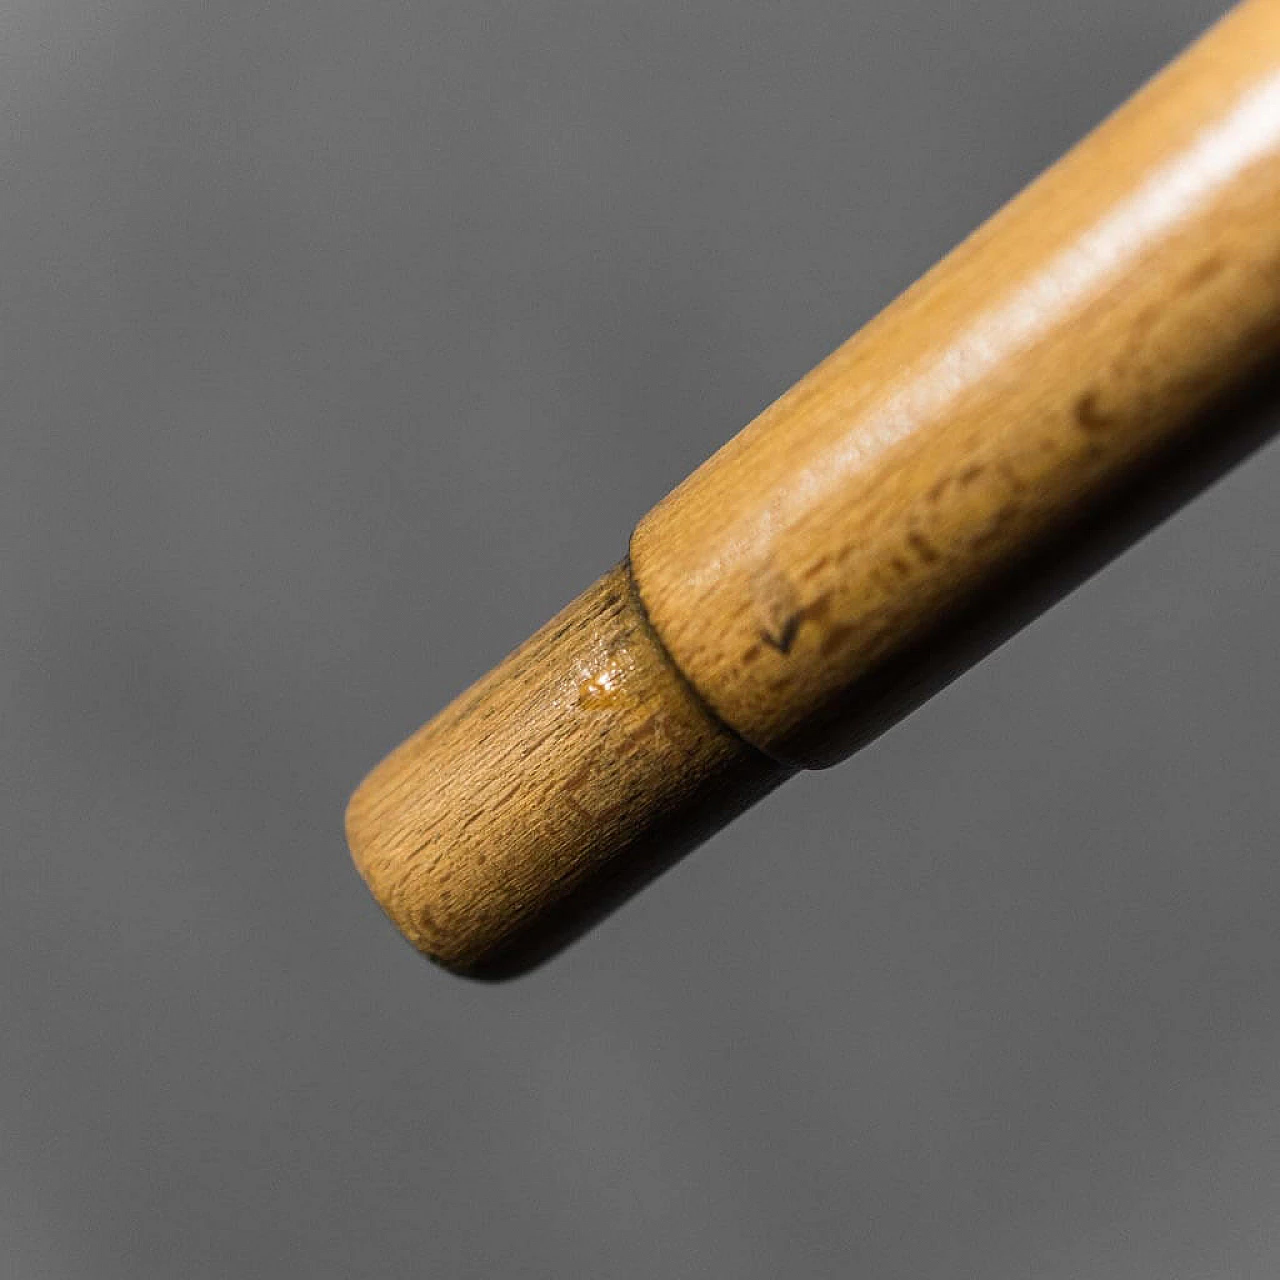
794, 591
1074, 336
582, 760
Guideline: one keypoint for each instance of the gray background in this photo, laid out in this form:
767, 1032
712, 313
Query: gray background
343, 343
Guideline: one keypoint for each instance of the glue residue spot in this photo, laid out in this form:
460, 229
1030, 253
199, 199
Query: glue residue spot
600, 690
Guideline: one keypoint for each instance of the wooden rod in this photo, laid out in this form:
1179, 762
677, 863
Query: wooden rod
830, 565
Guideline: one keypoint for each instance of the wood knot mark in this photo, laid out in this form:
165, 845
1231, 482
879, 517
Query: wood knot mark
1090, 416
928, 553
1208, 270
779, 612
777, 608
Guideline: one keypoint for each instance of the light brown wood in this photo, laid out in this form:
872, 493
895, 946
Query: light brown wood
799, 589
1077, 332
583, 759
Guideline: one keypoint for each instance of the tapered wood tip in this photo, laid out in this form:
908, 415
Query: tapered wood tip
565, 778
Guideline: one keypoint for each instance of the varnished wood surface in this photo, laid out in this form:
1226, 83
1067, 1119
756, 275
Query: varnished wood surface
1074, 335
804, 579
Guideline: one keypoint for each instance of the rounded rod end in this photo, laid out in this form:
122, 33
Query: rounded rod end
564, 780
